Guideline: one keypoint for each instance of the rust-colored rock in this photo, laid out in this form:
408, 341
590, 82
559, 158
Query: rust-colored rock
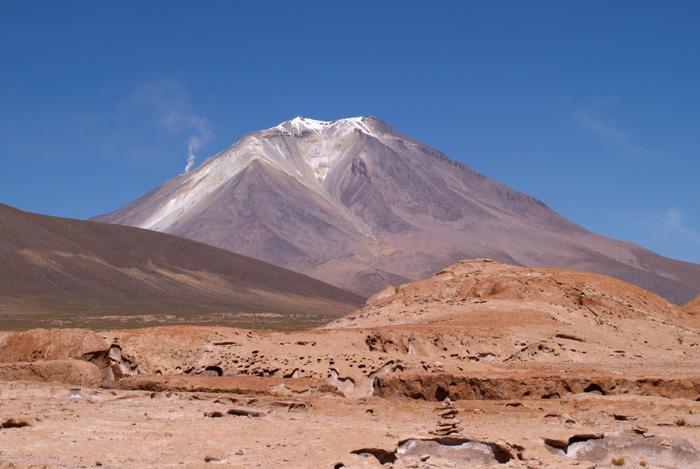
52, 344
70, 372
693, 306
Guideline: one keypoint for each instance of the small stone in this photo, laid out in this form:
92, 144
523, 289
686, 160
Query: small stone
213, 457
445, 426
239, 452
442, 391
449, 422
425, 457
665, 443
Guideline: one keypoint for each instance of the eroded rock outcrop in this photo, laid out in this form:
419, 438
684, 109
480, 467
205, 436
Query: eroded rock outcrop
692, 308
52, 344
443, 452
497, 385
629, 448
62, 355
71, 372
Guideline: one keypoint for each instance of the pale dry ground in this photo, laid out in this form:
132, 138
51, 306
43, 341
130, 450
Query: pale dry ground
528, 356
113, 428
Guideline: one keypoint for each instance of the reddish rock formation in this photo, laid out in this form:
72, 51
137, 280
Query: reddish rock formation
69, 372
693, 306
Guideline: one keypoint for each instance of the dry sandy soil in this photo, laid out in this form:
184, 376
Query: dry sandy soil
483, 365
58, 426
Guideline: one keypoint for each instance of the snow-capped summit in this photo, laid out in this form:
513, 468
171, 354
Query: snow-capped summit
300, 124
356, 204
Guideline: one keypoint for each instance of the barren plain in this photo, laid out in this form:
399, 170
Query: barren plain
483, 365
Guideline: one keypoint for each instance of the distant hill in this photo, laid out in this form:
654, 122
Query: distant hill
64, 269
356, 204
475, 292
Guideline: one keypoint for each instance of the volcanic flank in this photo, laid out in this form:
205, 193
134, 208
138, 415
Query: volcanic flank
356, 204
57, 271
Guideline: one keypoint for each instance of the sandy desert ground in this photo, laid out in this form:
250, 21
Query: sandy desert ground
484, 365
56, 426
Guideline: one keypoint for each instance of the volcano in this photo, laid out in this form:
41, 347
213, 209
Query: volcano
359, 205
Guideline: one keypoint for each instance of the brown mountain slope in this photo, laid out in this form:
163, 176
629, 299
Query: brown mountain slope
359, 205
66, 268
693, 306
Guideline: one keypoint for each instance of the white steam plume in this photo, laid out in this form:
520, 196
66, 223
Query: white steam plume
194, 143
201, 135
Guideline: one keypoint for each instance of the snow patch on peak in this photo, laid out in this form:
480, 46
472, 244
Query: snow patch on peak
361, 125
326, 143
299, 124
311, 124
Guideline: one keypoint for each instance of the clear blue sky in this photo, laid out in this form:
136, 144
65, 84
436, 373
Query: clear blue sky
591, 106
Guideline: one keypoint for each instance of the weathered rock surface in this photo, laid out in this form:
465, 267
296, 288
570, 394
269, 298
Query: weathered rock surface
630, 448
70, 372
693, 307
52, 344
460, 291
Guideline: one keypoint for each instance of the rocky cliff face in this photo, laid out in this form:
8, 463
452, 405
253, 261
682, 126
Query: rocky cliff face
356, 204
